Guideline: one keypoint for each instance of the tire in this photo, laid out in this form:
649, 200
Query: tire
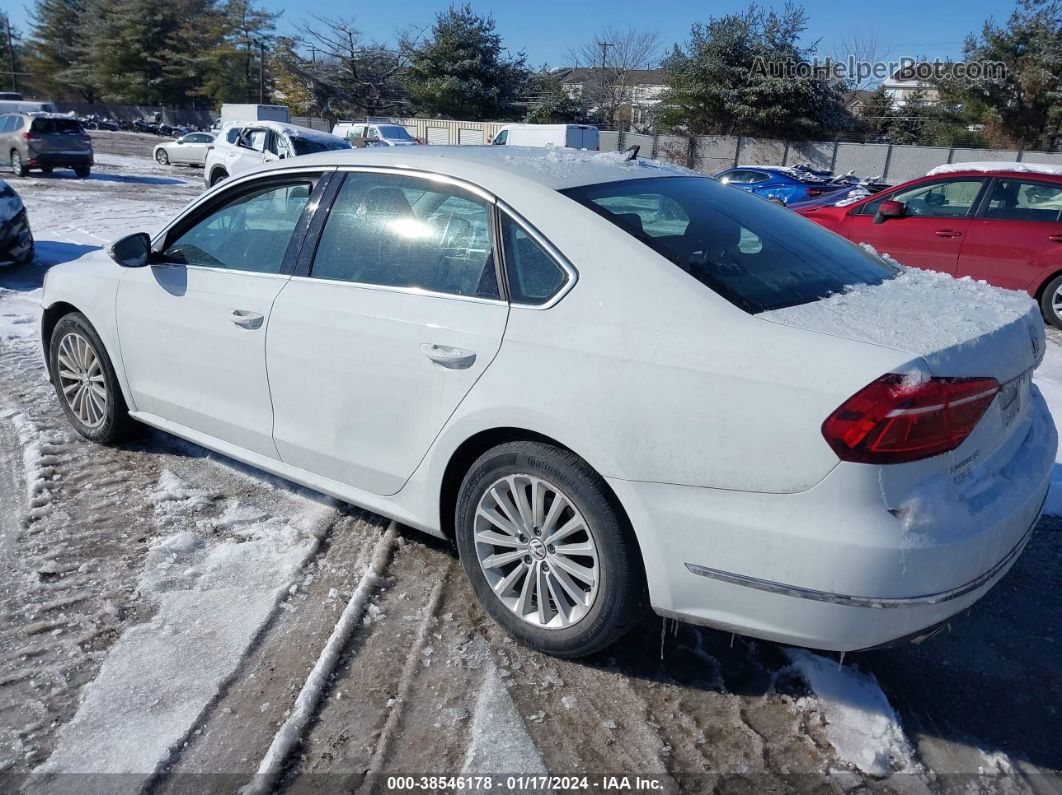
217, 176
17, 166
47, 169
609, 606
82, 172
1051, 310
73, 349
162, 158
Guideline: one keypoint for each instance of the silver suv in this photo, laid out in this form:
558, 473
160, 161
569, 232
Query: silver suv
44, 141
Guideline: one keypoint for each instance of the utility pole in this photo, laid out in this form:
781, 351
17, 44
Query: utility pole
604, 45
261, 72
11, 53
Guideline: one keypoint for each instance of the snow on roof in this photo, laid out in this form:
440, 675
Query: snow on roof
491, 166
290, 130
998, 165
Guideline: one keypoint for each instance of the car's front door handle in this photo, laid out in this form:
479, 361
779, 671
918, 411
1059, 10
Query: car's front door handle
948, 233
449, 357
1055, 238
246, 319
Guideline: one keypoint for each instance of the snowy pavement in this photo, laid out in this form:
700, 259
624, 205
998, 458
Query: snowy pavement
178, 622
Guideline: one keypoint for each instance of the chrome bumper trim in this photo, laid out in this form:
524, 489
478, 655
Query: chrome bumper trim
869, 601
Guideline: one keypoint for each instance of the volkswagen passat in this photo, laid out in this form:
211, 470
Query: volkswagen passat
614, 384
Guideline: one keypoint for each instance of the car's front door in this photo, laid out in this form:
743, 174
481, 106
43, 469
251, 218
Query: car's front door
192, 324
1016, 240
371, 352
930, 234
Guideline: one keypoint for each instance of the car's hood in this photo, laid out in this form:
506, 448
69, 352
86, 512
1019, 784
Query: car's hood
9, 208
958, 326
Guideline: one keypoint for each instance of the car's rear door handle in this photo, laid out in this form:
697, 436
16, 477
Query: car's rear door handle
449, 357
246, 319
1055, 238
948, 233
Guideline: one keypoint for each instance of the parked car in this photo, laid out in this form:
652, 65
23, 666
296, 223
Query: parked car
44, 141
16, 239
240, 146
572, 136
190, 149
998, 222
781, 184
364, 133
613, 383
844, 195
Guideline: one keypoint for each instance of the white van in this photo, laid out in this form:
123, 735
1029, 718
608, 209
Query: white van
366, 133
238, 112
574, 136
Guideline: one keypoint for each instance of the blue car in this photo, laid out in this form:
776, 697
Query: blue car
781, 184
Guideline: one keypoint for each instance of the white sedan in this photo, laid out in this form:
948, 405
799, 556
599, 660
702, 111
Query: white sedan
190, 149
614, 384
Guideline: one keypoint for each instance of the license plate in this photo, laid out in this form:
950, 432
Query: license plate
1011, 396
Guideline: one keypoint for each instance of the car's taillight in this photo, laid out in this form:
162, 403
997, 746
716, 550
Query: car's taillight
895, 419
85, 138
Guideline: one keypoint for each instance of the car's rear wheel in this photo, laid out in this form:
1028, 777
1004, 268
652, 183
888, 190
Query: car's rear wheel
1051, 302
162, 158
82, 172
47, 169
548, 552
85, 381
17, 164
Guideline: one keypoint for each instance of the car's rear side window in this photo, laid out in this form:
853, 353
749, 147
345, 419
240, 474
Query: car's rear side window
534, 275
753, 253
1021, 200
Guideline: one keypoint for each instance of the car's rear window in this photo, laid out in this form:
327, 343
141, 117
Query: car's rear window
61, 126
307, 146
755, 254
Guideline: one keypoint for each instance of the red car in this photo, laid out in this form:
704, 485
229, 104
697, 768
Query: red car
998, 222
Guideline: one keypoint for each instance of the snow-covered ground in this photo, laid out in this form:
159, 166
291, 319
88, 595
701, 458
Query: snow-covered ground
168, 613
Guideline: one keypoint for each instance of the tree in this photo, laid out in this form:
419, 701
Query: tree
1022, 106
613, 55
746, 74
11, 53
462, 70
56, 55
551, 103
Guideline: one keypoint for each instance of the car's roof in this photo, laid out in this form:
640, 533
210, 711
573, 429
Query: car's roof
495, 167
1010, 168
291, 130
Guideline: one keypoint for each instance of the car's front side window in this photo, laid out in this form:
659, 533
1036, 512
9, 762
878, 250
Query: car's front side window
943, 199
249, 233
399, 231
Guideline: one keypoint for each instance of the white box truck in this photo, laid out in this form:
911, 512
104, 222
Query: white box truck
237, 112
574, 136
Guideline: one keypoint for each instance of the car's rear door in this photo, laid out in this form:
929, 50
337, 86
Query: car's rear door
1016, 239
930, 235
192, 324
398, 315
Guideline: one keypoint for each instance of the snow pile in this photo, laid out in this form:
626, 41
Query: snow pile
853, 196
997, 165
580, 167
500, 742
18, 313
926, 313
213, 599
860, 723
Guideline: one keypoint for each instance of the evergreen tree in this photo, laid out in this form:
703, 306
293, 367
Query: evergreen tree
11, 56
56, 53
551, 103
462, 70
741, 75
1023, 105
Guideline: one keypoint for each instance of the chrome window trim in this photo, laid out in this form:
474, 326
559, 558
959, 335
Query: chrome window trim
433, 176
387, 288
234, 271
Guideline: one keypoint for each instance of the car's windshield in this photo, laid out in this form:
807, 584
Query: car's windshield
394, 132
307, 146
753, 253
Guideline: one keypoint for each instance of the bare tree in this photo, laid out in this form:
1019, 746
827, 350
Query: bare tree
612, 55
345, 74
860, 48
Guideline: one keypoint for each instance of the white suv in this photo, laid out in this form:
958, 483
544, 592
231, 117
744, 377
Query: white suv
241, 146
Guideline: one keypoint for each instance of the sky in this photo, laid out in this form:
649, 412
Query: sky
546, 29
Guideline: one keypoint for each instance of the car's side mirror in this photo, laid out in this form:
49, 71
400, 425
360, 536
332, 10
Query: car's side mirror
889, 209
131, 251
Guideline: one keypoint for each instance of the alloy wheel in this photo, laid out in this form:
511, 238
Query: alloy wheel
537, 552
161, 157
81, 380
1056, 302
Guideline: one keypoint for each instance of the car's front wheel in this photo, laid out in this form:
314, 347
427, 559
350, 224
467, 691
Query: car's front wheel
217, 176
82, 172
548, 552
162, 158
1051, 302
85, 381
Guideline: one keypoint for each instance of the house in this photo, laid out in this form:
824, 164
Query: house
634, 93
910, 79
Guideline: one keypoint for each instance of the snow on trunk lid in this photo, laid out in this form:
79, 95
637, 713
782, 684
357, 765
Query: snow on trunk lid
959, 327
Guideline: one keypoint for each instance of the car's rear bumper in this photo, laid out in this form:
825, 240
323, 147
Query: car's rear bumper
831, 567
60, 159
